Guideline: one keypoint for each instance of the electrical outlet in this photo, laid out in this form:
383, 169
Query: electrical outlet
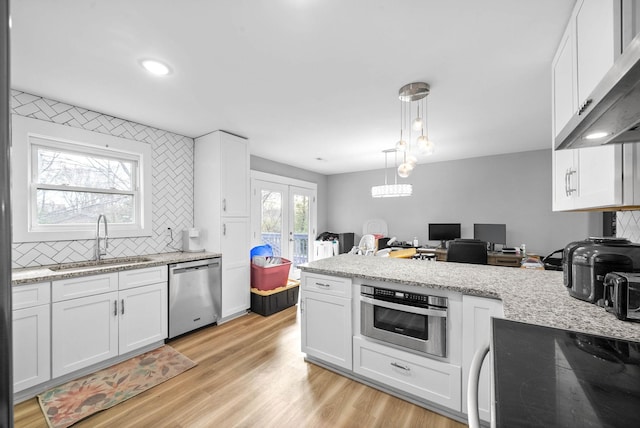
169, 233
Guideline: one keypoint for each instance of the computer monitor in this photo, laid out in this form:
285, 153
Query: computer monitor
491, 233
443, 232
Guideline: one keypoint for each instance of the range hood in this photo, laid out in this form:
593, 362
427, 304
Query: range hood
612, 109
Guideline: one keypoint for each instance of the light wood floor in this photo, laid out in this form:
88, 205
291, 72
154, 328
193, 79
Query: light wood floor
251, 373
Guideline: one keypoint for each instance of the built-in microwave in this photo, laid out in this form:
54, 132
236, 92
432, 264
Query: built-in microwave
410, 320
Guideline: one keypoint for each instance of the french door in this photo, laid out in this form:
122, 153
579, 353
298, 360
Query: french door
283, 215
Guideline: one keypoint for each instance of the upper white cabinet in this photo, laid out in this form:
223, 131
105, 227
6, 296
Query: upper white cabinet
221, 211
591, 177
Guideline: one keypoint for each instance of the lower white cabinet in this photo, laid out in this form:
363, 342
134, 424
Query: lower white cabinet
326, 319
84, 332
476, 331
95, 328
426, 378
143, 316
31, 335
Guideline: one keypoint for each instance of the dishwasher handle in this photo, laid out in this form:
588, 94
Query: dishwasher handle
213, 265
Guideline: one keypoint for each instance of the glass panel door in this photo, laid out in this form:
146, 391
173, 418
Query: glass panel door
300, 236
284, 217
272, 197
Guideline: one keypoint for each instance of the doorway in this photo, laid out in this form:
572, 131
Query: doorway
283, 215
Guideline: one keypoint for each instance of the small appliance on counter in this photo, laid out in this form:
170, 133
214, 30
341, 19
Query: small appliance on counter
622, 295
585, 264
191, 241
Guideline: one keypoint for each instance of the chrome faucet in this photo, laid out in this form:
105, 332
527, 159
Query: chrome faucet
99, 250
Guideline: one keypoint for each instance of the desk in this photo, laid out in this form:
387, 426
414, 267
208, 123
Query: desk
495, 258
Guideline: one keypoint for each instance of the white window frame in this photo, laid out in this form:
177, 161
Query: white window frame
27, 134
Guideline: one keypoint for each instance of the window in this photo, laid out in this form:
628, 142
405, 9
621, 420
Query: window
72, 177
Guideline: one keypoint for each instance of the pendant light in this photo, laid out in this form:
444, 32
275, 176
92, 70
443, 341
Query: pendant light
391, 190
413, 93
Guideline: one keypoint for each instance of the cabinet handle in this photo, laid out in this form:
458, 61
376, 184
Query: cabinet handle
224, 205
566, 182
122, 308
302, 306
570, 189
224, 229
321, 285
584, 106
401, 367
115, 308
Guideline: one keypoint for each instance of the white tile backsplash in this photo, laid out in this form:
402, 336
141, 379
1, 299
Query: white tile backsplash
628, 225
172, 200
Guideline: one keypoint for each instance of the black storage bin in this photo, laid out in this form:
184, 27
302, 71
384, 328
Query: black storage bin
269, 302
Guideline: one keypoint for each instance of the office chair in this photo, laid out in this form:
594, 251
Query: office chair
467, 251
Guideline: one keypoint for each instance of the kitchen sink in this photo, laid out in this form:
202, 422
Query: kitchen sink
98, 263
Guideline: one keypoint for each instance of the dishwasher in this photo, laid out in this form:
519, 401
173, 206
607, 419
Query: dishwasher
195, 291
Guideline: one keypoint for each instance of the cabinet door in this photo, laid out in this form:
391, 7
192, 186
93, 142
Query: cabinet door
236, 282
599, 177
327, 328
476, 330
564, 179
31, 347
594, 44
143, 316
563, 72
234, 179
84, 332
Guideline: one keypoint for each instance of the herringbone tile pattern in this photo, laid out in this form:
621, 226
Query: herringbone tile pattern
172, 183
628, 225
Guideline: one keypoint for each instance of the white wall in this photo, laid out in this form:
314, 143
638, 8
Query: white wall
514, 189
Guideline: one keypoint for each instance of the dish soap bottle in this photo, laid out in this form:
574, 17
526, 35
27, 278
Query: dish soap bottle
415, 242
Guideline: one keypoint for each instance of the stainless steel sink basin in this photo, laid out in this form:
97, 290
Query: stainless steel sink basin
98, 263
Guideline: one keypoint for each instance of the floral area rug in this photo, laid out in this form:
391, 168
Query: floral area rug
69, 403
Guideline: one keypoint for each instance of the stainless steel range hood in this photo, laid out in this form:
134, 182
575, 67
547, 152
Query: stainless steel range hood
613, 107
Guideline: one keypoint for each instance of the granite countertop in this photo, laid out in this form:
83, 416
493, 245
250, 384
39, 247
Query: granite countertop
71, 270
532, 296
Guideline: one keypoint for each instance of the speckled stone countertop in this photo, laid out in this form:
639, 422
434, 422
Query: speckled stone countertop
532, 296
71, 270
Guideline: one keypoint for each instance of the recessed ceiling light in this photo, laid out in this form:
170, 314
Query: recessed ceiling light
155, 67
596, 135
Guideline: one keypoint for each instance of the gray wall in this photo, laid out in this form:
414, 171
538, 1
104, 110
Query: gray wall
514, 189
271, 167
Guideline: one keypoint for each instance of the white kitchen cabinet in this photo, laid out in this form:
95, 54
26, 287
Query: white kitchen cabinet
587, 178
422, 377
84, 332
143, 316
221, 211
90, 329
476, 330
326, 319
591, 177
236, 282
31, 335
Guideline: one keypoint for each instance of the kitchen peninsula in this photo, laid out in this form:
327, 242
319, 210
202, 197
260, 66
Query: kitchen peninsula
333, 307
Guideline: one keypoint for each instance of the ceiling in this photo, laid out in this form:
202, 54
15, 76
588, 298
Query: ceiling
311, 83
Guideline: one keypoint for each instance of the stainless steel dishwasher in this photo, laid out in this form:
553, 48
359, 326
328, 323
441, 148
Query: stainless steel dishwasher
194, 295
